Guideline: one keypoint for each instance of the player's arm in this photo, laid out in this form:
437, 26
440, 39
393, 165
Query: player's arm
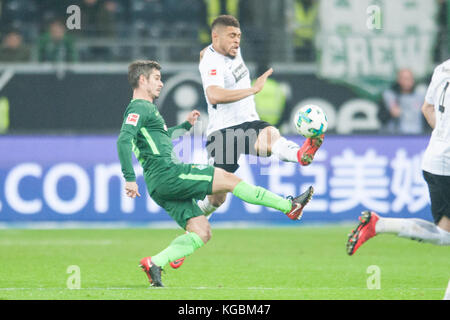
124, 149
428, 105
218, 95
179, 130
128, 132
429, 114
202, 53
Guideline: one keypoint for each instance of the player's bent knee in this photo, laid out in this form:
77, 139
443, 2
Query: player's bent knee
266, 139
224, 181
204, 234
232, 180
272, 134
218, 199
208, 235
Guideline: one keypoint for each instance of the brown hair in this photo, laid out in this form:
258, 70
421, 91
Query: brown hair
141, 67
225, 20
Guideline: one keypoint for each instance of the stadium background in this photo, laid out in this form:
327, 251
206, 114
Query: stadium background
61, 109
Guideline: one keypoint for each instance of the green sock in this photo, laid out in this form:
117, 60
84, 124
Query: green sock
258, 195
180, 247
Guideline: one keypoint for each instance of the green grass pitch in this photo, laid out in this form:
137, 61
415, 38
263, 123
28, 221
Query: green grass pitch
282, 263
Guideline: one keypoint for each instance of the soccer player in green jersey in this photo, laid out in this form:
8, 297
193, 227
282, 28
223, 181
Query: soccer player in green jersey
174, 185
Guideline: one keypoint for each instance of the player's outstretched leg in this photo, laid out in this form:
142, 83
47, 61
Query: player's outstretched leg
363, 232
292, 207
228, 182
295, 213
416, 229
271, 142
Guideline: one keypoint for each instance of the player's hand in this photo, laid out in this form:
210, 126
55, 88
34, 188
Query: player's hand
202, 53
131, 189
193, 116
261, 81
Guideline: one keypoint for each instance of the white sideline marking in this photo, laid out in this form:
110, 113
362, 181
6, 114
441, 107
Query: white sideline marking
210, 288
447, 293
55, 242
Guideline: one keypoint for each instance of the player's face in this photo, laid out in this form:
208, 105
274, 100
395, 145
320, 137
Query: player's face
153, 84
228, 40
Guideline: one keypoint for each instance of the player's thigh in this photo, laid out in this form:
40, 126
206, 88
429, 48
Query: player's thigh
265, 141
224, 181
217, 199
179, 210
439, 189
186, 181
225, 146
222, 150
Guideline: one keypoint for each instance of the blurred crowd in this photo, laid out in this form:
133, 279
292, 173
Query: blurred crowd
120, 30
35, 30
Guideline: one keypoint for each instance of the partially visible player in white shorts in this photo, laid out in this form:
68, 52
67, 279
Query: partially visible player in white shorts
436, 172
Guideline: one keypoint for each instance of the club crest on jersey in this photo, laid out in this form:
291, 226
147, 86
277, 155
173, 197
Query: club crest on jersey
132, 119
212, 72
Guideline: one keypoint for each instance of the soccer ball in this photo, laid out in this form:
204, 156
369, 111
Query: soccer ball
310, 121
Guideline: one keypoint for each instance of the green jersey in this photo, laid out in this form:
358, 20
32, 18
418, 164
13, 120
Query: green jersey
145, 133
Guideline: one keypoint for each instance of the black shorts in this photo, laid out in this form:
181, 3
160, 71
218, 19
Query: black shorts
225, 146
439, 188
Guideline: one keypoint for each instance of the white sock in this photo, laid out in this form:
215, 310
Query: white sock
416, 229
389, 225
444, 233
206, 207
285, 150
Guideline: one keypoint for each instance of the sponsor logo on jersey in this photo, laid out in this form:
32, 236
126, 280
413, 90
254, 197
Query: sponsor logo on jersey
240, 72
212, 72
132, 119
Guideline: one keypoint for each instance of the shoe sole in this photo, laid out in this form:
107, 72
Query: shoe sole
353, 237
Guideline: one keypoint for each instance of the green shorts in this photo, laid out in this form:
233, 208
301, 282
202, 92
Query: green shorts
177, 190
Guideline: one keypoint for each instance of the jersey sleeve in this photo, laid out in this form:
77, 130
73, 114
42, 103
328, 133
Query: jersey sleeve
212, 71
132, 122
429, 96
179, 130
